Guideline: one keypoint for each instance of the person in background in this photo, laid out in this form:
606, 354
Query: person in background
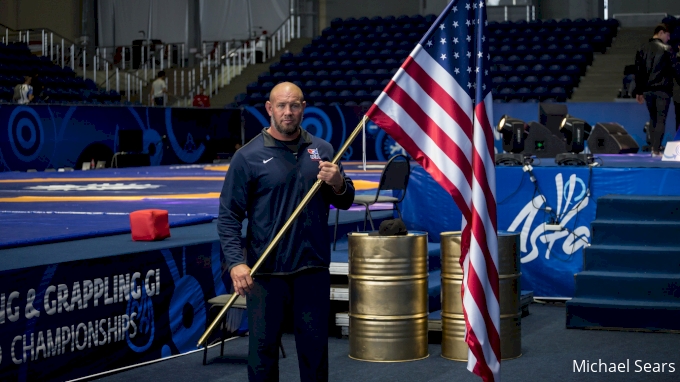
23, 93
266, 181
36, 82
676, 95
200, 99
655, 70
159, 89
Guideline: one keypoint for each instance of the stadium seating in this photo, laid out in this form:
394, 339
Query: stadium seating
61, 85
531, 61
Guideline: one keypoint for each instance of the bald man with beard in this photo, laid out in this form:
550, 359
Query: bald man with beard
266, 181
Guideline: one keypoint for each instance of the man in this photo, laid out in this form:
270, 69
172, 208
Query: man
159, 89
267, 179
676, 95
200, 99
23, 93
655, 69
36, 83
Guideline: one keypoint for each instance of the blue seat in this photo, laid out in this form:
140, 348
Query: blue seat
565, 81
265, 76
365, 73
386, 53
371, 84
252, 87
579, 59
315, 95
530, 59
555, 69
302, 56
506, 93
572, 70
522, 92
356, 84
548, 80
330, 96
345, 95
514, 59
340, 84
538, 69
310, 85
361, 95
558, 93
540, 92
522, 70
562, 59
531, 80
336, 75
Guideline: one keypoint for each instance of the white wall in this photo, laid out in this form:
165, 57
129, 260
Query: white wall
63, 16
369, 8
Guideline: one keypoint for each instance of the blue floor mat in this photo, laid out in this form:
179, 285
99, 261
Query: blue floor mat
55, 206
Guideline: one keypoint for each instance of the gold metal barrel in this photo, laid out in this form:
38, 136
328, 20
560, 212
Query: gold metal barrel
453, 321
388, 297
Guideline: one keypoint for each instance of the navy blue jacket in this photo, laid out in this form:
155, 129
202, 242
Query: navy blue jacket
265, 183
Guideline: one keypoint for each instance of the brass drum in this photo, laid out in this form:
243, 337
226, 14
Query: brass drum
388, 297
453, 321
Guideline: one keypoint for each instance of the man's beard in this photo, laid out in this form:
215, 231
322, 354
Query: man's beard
283, 130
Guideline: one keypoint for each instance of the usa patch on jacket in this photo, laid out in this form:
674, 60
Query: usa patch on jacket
314, 154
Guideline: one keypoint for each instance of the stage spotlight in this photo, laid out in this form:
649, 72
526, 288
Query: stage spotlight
514, 132
575, 132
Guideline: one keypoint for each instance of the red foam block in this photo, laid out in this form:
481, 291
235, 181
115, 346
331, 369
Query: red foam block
149, 225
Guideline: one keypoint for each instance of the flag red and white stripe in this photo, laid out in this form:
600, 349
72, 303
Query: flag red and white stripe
438, 107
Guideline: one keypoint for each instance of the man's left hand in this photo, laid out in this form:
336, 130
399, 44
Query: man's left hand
330, 173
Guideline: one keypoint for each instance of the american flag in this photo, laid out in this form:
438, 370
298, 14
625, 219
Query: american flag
438, 108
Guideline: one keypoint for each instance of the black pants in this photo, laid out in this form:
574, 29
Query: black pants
309, 293
159, 101
657, 103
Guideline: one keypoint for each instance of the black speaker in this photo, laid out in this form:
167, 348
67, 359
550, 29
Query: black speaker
542, 143
131, 160
551, 115
130, 141
611, 138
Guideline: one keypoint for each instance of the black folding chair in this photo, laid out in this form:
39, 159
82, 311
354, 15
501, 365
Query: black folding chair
394, 178
229, 329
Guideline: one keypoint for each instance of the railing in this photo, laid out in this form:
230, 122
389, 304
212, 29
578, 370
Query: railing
136, 65
64, 52
511, 12
147, 55
221, 61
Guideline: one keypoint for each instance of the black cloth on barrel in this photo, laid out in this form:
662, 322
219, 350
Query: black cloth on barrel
390, 227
